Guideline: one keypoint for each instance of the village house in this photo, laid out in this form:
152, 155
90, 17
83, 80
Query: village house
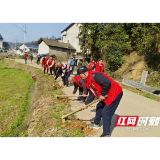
70, 35
4, 46
56, 47
27, 48
19, 52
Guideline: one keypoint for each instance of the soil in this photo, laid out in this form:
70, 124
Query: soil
80, 125
62, 100
131, 68
57, 87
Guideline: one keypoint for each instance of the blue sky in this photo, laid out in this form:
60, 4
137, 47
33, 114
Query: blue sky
34, 30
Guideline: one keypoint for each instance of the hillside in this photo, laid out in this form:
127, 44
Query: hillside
132, 68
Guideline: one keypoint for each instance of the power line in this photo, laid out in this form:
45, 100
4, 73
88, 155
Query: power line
16, 26
7, 31
19, 34
29, 36
33, 35
21, 24
20, 38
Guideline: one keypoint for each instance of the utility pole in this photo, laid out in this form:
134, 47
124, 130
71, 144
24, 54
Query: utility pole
24, 36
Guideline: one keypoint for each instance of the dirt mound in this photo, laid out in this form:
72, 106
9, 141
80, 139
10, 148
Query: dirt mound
131, 68
62, 100
81, 126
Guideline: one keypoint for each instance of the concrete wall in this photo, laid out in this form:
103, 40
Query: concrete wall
1, 43
61, 54
18, 52
43, 48
72, 36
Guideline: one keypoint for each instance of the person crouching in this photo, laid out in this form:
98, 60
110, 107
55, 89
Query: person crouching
79, 83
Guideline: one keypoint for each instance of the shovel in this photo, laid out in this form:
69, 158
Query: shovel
71, 96
65, 116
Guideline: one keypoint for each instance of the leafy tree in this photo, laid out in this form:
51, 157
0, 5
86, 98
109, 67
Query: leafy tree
117, 44
90, 36
113, 40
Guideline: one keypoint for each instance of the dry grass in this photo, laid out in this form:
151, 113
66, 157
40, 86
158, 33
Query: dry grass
132, 68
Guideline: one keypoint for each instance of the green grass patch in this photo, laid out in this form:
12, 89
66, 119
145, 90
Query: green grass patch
14, 98
47, 120
77, 133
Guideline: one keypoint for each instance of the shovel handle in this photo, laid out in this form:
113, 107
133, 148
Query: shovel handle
82, 108
95, 101
72, 96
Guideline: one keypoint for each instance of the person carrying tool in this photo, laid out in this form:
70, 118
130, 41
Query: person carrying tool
79, 83
44, 64
99, 66
66, 72
99, 85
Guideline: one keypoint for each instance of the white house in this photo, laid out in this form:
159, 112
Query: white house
19, 52
4, 46
55, 47
70, 35
27, 48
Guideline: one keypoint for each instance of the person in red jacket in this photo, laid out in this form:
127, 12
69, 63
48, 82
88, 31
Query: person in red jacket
100, 85
91, 64
79, 83
51, 64
44, 64
25, 57
99, 66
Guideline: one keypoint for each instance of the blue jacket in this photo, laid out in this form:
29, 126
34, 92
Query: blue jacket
72, 62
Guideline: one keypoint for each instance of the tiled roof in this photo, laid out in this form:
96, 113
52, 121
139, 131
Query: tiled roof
5, 44
31, 46
21, 50
68, 27
51, 42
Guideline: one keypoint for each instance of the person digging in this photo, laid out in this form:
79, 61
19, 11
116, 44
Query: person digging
99, 84
51, 64
79, 83
66, 72
44, 64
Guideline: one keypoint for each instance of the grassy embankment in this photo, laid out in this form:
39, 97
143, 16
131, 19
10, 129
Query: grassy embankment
14, 98
42, 116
